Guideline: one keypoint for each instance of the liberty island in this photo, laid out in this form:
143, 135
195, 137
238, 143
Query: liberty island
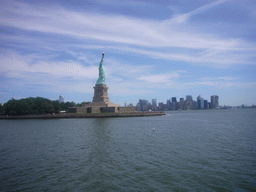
98, 108
100, 102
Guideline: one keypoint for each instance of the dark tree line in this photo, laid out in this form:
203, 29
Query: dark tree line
37, 106
1, 109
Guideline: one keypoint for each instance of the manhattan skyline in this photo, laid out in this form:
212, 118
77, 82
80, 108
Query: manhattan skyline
153, 49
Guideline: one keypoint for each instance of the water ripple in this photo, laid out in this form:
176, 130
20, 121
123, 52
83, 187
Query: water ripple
187, 151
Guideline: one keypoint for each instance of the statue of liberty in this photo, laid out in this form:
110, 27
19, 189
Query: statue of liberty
101, 79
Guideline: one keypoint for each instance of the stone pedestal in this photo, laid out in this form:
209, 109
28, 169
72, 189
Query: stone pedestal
100, 93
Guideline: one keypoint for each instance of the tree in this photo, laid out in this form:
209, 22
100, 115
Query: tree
35, 106
28, 106
1, 108
10, 107
69, 104
81, 104
56, 106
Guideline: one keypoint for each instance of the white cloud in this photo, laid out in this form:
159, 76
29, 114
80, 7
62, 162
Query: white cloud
226, 78
160, 78
17, 66
181, 18
125, 69
131, 34
23, 72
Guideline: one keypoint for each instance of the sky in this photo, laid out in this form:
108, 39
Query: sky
154, 49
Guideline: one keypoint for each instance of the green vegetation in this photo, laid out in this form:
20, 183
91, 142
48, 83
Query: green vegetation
35, 106
1, 108
81, 104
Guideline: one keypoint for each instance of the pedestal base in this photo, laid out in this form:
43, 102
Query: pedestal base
100, 93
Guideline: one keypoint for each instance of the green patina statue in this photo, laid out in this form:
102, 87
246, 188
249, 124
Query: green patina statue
101, 79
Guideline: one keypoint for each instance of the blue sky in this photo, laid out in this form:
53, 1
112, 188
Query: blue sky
153, 49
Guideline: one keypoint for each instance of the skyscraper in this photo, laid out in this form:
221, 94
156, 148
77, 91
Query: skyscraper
214, 101
169, 104
143, 105
189, 101
174, 103
189, 97
61, 99
154, 104
200, 102
206, 104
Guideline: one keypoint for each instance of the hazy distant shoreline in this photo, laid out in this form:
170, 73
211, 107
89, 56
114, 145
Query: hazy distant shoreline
91, 115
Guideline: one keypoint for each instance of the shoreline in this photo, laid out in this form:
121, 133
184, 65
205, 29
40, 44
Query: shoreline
85, 115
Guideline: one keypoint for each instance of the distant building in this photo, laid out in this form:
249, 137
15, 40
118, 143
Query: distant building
154, 102
169, 104
162, 106
214, 101
174, 103
154, 105
149, 107
61, 99
189, 102
181, 104
206, 104
143, 105
195, 104
138, 107
189, 98
200, 102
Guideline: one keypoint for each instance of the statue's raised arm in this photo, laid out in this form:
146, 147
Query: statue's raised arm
101, 79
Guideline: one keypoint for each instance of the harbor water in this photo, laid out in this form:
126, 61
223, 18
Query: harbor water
196, 150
